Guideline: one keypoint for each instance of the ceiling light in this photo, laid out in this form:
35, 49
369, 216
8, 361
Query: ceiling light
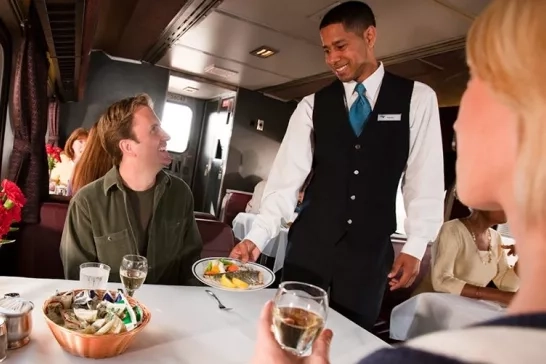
264, 52
190, 89
219, 71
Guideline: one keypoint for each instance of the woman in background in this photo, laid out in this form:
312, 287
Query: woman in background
93, 164
468, 255
75, 144
501, 149
73, 149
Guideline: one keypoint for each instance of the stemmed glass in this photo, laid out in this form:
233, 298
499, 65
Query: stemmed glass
299, 315
133, 271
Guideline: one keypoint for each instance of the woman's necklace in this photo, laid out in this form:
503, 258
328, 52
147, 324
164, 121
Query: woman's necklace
489, 249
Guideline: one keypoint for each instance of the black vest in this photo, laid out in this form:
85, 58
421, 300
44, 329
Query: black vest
352, 193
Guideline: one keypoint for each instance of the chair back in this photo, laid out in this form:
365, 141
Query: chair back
204, 216
217, 238
233, 203
38, 255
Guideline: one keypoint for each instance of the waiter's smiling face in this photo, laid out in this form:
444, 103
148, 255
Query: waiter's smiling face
347, 52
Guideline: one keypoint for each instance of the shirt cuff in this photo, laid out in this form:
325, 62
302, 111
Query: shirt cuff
259, 236
415, 247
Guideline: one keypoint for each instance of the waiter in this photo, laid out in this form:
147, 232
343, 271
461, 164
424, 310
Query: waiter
368, 129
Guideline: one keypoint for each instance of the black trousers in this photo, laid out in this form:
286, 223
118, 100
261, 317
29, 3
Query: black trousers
356, 278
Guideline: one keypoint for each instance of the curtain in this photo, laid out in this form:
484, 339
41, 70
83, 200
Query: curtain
29, 107
53, 122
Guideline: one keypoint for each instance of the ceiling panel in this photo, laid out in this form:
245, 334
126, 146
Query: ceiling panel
298, 18
470, 7
404, 25
195, 61
233, 39
227, 35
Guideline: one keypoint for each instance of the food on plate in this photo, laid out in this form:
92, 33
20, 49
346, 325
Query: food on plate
233, 274
88, 313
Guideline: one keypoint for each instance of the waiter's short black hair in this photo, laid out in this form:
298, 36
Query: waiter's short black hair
355, 16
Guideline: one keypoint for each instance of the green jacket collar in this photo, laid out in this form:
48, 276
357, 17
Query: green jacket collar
112, 178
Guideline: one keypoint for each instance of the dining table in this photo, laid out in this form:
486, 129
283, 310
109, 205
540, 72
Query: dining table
186, 326
429, 312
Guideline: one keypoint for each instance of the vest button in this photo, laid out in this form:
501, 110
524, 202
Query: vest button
353, 197
356, 172
357, 146
349, 221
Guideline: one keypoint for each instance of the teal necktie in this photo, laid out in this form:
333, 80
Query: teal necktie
360, 110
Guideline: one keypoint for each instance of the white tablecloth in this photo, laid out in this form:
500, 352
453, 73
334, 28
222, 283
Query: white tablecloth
276, 248
430, 312
186, 327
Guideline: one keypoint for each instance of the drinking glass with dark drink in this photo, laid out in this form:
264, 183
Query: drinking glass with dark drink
299, 316
133, 271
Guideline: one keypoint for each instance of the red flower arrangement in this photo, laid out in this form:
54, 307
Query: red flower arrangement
12, 201
53, 156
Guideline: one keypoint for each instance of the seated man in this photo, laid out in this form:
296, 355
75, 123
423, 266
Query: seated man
136, 208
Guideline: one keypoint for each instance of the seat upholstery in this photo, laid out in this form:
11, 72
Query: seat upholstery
233, 203
217, 238
204, 216
38, 253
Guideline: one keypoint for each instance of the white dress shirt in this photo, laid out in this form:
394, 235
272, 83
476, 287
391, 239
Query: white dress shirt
422, 181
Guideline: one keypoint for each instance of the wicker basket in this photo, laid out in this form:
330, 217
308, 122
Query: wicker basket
92, 346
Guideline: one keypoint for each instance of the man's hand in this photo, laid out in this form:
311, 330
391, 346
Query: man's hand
245, 251
268, 351
409, 266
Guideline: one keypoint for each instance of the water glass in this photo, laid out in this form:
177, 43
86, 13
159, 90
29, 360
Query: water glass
299, 316
94, 275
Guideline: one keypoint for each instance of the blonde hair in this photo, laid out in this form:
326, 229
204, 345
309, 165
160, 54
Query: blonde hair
78, 134
116, 124
506, 48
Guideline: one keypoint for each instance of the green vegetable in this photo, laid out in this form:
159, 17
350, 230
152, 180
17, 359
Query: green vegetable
226, 261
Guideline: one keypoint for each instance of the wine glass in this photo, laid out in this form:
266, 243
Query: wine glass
299, 315
133, 271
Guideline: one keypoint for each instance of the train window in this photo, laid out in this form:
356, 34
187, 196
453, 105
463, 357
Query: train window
176, 121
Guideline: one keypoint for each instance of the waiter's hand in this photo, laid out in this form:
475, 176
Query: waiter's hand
245, 251
268, 351
409, 265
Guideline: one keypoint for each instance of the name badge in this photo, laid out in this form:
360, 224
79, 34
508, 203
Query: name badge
389, 117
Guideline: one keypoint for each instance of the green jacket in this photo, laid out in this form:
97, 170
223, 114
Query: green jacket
102, 227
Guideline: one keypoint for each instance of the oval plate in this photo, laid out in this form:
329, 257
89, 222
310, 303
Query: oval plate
198, 270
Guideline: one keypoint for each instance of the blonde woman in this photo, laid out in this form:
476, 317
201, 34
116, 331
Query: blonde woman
501, 165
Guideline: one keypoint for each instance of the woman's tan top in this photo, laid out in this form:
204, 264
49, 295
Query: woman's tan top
457, 261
